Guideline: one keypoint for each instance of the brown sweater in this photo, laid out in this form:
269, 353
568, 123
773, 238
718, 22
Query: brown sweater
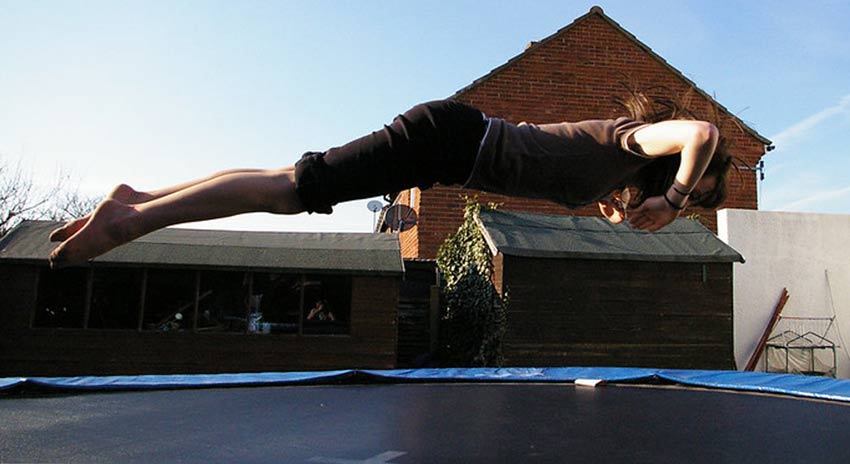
569, 163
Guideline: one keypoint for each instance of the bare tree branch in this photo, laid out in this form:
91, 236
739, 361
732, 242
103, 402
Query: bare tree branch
21, 199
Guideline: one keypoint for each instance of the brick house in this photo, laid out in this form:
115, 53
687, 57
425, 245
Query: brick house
569, 76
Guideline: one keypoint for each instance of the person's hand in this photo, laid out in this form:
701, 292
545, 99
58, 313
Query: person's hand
653, 214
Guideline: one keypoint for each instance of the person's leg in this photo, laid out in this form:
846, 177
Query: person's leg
123, 193
114, 223
434, 142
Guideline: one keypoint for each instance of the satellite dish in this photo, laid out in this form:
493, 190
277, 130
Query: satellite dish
399, 218
374, 206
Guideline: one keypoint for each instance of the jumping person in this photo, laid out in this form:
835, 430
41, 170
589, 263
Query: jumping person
670, 164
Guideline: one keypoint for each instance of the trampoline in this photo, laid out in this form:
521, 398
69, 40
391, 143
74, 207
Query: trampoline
430, 415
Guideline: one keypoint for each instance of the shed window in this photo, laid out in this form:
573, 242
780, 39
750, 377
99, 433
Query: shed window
223, 301
169, 300
164, 300
116, 299
327, 304
61, 298
275, 301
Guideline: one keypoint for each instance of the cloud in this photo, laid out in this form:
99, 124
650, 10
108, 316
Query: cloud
817, 200
796, 131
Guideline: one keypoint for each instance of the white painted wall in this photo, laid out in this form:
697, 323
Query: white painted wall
791, 250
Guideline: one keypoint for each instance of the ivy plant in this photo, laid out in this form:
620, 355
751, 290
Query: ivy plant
472, 320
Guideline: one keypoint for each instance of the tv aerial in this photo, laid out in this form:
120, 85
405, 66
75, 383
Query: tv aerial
399, 218
374, 206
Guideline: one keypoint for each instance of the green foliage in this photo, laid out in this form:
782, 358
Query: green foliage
696, 217
473, 314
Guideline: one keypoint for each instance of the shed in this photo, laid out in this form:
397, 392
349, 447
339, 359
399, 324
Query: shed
585, 292
200, 301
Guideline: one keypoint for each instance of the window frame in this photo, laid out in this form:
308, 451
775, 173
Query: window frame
248, 274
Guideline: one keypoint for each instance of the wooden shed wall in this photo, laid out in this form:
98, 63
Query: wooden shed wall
417, 314
45, 351
617, 313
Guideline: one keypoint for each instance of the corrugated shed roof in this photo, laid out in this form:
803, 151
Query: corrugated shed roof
516, 233
281, 251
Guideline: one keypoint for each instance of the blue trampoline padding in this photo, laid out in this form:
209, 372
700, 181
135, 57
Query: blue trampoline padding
797, 385
519, 374
10, 382
787, 384
134, 382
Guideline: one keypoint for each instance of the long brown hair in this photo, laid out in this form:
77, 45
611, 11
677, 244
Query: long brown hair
658, 104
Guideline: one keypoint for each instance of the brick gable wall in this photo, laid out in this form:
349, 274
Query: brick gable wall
571, 76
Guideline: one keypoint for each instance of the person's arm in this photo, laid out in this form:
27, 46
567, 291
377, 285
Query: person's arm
696, 141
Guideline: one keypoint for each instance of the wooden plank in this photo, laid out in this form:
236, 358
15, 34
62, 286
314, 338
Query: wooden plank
777, 311
709, 356
35, 284
94, 354
143, 293
87, 304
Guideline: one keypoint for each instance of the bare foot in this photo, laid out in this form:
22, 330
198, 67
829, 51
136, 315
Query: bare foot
107, 228
123, 193
70, 228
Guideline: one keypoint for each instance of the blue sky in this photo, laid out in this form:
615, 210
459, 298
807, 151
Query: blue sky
157, 92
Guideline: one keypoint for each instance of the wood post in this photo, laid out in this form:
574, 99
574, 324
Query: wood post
763, 340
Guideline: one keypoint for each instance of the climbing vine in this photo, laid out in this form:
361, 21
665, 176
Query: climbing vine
473, 313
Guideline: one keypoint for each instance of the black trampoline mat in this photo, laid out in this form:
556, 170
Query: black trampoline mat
424, 423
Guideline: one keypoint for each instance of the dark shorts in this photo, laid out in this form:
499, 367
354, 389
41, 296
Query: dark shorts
432, 142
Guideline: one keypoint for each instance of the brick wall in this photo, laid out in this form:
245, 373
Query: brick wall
409, 239
570, 76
